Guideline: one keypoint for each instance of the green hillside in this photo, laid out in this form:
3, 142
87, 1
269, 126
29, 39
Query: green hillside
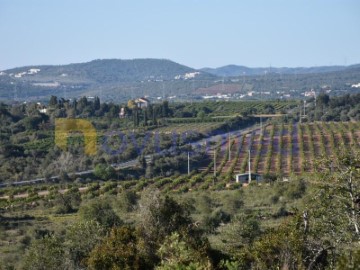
116, 78
119, 80
234, 70
108, 71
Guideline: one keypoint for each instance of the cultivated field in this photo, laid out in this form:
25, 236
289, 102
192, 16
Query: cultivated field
283, 149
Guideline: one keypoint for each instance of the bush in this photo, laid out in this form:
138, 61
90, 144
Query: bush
232, 202
104, 171
212, 221
269, 177
117, 251
101, 212
274, 199
128, 200
45, 253
296, 189
68, 202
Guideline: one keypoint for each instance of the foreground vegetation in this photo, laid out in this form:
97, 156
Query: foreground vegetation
306, 223
157, 216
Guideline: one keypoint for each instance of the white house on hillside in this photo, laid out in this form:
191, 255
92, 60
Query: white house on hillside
142, 102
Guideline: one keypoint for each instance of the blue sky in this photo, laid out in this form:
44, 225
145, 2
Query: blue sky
197, 33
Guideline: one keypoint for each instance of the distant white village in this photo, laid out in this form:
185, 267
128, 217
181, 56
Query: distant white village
187, 76
31, 71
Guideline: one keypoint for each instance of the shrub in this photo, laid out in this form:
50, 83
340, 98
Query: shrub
296, 189
101, 212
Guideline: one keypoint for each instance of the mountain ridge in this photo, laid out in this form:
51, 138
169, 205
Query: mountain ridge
116, 77
121, 79
240, 70
136, 68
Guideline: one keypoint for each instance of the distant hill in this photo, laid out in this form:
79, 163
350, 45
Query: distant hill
119, 80
234, 70
106, 71
116, 79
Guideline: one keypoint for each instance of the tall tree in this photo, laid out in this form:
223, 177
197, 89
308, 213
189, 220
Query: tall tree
165, 111
53, 101
96, 103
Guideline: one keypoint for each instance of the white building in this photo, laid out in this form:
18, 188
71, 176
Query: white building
142, 102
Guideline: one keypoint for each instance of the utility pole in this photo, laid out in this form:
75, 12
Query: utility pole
249, 167
261, 99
